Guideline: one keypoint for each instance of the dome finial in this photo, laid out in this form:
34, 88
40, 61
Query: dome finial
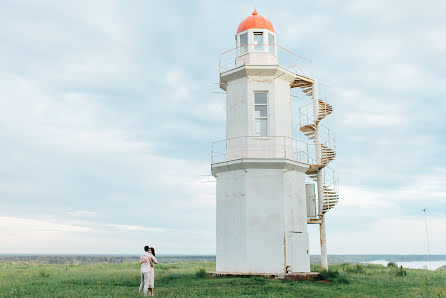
254, 13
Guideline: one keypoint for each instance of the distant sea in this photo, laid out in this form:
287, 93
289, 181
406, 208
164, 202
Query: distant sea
429, 265
407, 261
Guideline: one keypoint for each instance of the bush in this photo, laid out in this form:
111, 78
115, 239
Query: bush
358, 268
391, 264
201, 273
401, 272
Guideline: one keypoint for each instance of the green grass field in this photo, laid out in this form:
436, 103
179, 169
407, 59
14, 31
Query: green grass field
182, 280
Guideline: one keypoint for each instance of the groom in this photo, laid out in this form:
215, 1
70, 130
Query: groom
144, 260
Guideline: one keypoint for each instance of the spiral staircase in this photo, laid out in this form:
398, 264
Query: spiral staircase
309, 127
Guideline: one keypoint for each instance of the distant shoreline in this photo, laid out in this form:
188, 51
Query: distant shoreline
213, 255
74, 259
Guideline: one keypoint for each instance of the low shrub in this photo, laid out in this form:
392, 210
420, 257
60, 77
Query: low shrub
391, 264
201, 273
401, 271
358, 268
44, 274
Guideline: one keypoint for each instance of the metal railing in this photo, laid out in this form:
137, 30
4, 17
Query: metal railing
327, 136
330, 177
263, 147
273, 54
329, 181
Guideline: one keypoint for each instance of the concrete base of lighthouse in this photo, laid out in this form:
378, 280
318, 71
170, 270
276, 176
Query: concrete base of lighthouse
261, 216
295, 276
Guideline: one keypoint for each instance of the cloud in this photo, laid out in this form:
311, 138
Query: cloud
33, 225
384, 235
135, 228
107, 117
82, 213
94, 237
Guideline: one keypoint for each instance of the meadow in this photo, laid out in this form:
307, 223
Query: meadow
187, 279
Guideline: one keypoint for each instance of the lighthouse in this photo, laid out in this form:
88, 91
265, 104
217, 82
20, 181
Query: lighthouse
269, 186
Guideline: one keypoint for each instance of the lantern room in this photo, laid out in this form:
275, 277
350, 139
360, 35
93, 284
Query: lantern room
256, 41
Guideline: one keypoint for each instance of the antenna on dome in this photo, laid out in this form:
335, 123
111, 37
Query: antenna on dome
254, 13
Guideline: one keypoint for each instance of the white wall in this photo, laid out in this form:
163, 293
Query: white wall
264, 214
261, 206
295, 205
240, 105
240, 116
231, 219
236, 108
281, 124
259, 212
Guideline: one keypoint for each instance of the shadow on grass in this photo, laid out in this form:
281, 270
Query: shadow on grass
109, 283
332, 276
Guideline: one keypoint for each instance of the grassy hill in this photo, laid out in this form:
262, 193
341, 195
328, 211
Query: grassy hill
184, 280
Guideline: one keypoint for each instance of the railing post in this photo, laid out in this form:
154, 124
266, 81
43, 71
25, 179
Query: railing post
308, 155
329, 143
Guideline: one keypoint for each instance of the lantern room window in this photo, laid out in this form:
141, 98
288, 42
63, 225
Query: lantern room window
271, 44
258, 41
243, 43
261, 113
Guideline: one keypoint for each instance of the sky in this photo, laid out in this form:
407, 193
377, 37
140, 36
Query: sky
108, 110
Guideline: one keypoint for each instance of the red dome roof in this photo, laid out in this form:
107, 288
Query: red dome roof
255, 21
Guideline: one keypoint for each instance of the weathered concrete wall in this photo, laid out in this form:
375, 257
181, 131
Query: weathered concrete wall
295, 205
236, 108
261, 203
240, 116
261, 221
231, 221
240, 120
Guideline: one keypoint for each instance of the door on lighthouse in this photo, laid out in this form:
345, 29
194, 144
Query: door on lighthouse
297, 257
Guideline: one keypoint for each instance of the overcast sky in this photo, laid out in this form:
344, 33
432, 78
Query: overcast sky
108, 111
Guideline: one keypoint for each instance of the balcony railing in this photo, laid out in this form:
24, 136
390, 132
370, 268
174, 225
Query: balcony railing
263, 147
240, 55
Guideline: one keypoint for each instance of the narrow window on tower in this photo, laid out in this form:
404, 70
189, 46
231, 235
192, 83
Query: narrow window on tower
243, 43
258, 41
261, 113
271, 43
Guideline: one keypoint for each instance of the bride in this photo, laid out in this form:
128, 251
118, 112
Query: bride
152, 271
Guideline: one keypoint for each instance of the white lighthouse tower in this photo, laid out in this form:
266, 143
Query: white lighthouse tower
264, 200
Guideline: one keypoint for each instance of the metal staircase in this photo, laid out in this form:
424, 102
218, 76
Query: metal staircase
309, 126
330, 189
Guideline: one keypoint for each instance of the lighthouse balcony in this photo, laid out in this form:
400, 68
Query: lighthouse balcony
256, 147
262, 55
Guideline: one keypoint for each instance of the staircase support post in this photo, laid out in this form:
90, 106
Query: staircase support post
320, 178
317, 141
324, 257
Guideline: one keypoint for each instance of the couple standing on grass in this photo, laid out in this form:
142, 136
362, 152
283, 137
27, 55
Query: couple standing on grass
147, 261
